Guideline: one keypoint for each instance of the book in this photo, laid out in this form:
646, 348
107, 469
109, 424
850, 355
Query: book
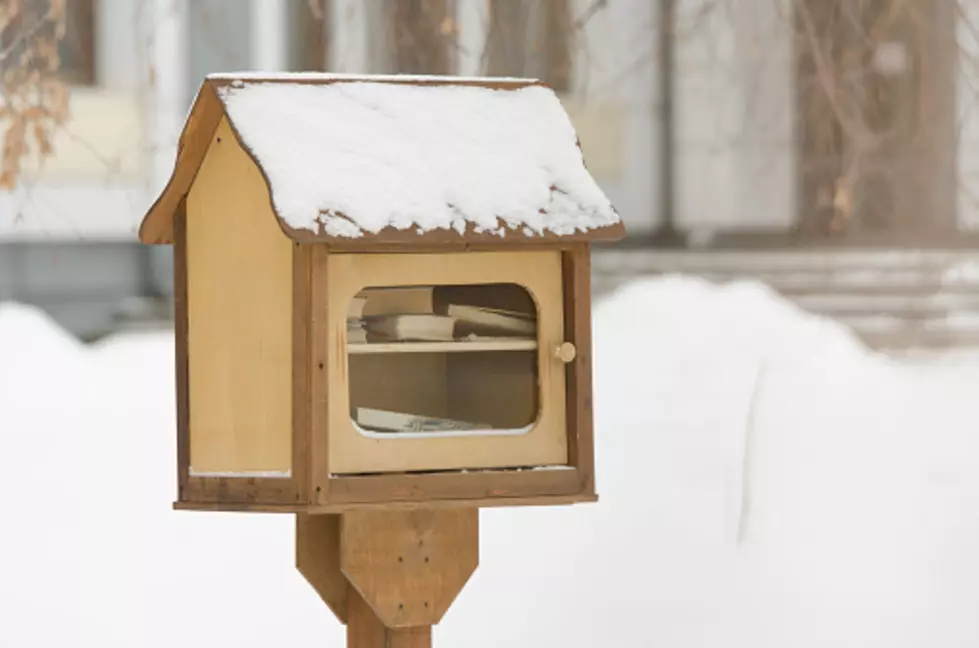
492, 321
356, 308
410, 326
397, 300
356, 333
388, 421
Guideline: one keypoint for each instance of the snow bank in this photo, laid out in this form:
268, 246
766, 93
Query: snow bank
841, 508
358, 157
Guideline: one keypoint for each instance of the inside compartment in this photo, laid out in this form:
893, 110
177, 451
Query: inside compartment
458, 359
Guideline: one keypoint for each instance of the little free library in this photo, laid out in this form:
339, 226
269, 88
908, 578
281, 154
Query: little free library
382, 322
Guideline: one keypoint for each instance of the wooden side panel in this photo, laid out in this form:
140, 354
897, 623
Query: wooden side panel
351, 452
577, 326
239, 271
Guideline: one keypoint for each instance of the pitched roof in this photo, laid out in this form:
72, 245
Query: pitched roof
399, 159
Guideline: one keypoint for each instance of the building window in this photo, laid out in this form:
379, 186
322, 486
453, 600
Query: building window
530, 38
77, 48
309, 29
421, 36
24, 39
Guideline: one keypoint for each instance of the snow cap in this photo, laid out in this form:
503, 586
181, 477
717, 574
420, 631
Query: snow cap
399, 159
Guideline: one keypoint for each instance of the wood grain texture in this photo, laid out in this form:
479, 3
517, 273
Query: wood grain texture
227, 493
239, 280
158, 224
318, 559
365, 630
325, 509
577, 325
367, 489
302, 370
180, 345
545, 444
409, 566
459, 346
321, 357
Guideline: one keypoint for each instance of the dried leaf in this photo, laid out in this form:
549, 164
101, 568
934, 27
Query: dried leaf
43, 140
33, 99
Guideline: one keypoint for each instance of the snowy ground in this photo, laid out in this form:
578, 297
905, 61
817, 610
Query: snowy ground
765, 482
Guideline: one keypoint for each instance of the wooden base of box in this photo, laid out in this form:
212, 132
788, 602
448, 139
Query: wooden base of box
313, 509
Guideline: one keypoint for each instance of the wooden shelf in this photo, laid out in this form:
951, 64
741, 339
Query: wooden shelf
457, 346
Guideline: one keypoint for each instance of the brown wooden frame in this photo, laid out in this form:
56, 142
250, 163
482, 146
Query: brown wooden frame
312, 489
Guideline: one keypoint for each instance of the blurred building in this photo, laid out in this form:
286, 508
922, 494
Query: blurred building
710, 123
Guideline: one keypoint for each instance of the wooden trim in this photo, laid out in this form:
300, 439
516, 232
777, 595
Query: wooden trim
456, 346
180, 344
238, 491
202, 122
577, 329
320, 358
448, 237
539, 273
329, 509
302, 360
427, 487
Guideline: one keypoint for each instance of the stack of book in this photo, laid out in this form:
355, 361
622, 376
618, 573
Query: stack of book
411, 314
394, 422
356, 333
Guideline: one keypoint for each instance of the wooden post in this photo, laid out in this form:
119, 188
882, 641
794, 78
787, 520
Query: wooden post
389, 575
365, 630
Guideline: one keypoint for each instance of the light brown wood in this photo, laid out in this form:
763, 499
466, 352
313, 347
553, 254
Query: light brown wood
234, 491
180, 346
365, 630
318, 559
158, 224
321, 358
239, 270
496, 389
546, 444
461, 346
565, 352
577, 297
329, 509
302, 370
475, 485
409, 565
398, 382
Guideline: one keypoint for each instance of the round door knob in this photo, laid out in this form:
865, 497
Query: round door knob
565, 352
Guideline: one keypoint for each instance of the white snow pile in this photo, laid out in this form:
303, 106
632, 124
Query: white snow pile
765, 483
355, 157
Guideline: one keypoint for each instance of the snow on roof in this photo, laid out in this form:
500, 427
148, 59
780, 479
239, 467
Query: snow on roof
320, 77
345, 159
